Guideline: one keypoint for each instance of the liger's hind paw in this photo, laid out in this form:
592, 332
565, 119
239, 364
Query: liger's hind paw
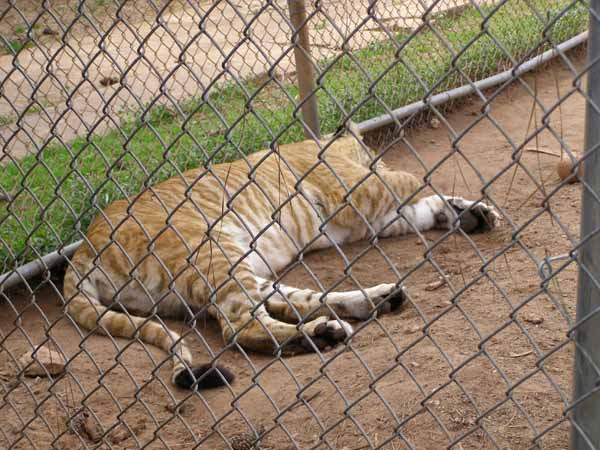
326, 334
474, 217
391, 302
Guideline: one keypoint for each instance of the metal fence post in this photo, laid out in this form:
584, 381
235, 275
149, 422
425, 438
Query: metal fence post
304, 69
586, 413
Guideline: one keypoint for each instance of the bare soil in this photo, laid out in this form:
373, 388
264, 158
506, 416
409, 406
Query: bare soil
481, 362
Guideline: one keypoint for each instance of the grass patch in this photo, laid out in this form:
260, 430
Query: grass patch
15, 45
35, 109
17, 41
6, 120
56, 193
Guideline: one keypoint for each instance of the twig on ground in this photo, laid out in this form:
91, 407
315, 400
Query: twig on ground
544, 152
520, 355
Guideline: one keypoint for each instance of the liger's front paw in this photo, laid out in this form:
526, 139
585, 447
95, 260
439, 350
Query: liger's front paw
474, 217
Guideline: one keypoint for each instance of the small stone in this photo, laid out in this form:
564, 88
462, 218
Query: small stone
183, 409
413, 329
534, 320
434, 123
415, 364
435, 284
42, 362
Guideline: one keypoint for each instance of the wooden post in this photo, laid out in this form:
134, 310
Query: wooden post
304, 69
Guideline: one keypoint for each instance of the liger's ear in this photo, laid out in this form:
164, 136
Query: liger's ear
348, 128
353, 129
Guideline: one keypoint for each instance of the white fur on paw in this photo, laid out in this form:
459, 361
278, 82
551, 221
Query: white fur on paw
493, 214
338, 324
459, 202
383, 290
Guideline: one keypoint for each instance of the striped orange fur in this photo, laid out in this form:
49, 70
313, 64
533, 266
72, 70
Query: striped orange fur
215, 237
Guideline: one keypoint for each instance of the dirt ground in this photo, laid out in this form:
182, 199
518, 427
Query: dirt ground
482, 362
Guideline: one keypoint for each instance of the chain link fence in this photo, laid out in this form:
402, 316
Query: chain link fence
421, 322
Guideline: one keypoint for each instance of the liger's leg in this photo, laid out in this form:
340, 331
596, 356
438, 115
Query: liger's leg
390, 189
234, 292
292, 304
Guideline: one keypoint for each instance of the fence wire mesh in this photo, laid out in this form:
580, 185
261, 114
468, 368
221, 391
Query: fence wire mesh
465, 340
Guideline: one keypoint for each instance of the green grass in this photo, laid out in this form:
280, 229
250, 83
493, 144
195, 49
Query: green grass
14, 46
320, 25
18, 41
6, 120
58, 192
33, 109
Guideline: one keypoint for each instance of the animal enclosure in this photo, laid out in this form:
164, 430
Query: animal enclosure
493, 345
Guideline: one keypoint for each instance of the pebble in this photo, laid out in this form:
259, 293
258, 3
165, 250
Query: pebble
535, 320
413, 329
183, 409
